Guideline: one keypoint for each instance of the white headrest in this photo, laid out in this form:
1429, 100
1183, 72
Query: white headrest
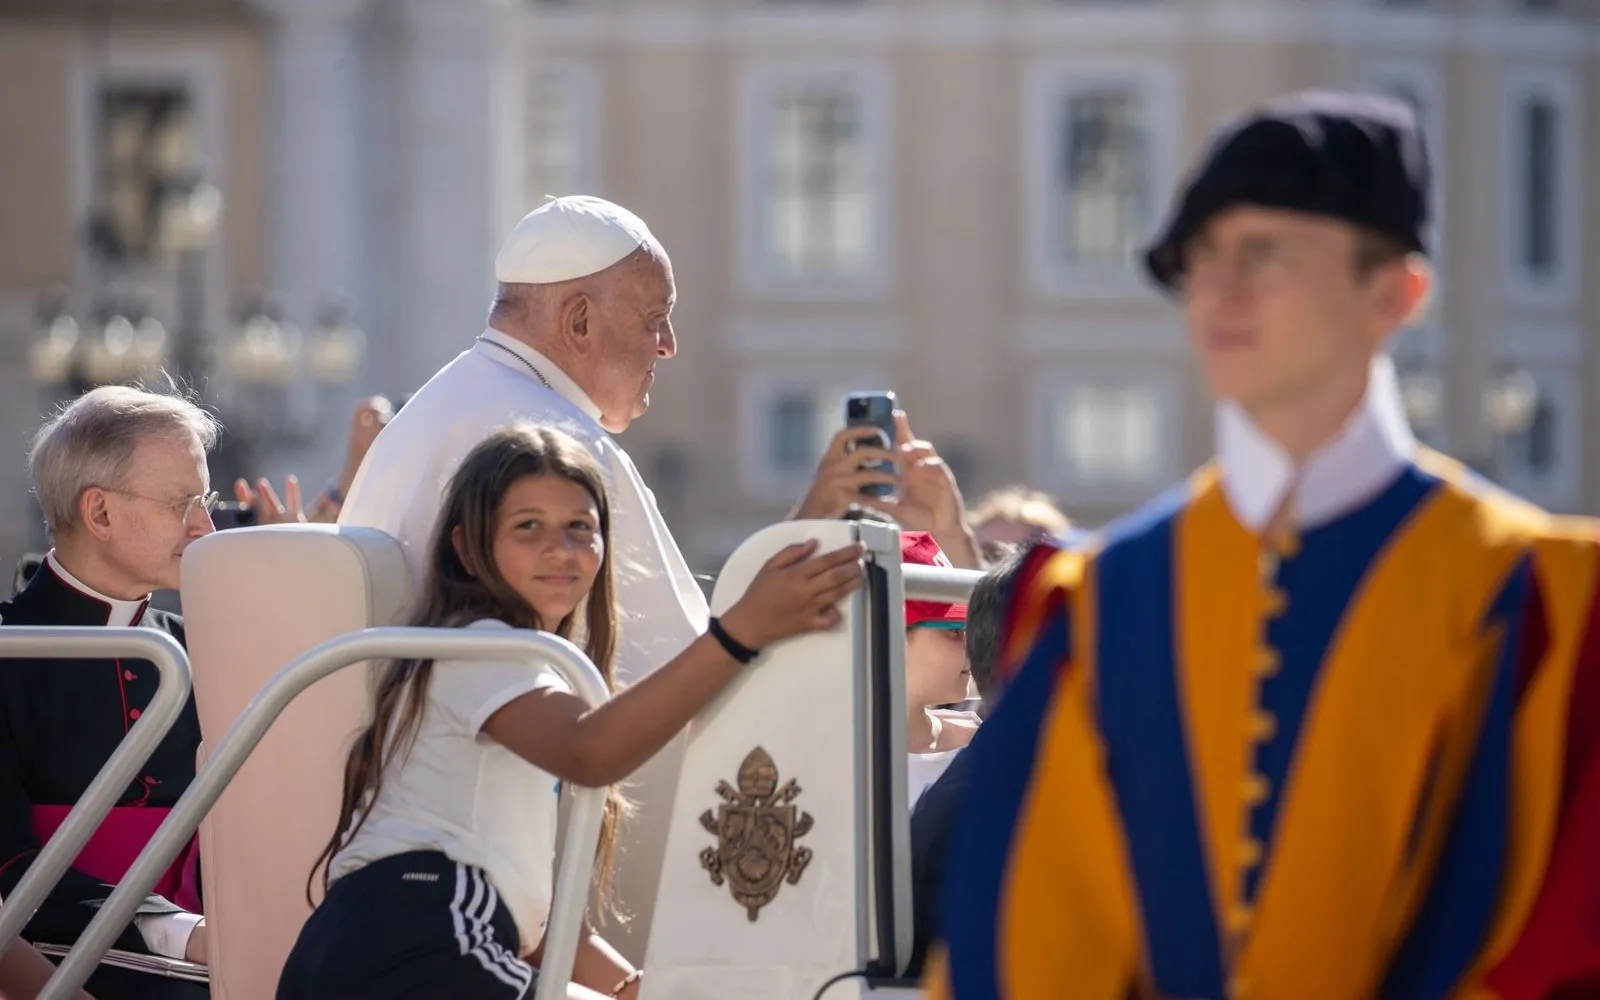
254, 599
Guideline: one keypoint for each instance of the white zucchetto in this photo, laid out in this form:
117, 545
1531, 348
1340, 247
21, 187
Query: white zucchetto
568, 238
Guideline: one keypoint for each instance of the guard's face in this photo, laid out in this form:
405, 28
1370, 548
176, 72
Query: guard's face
1276, 307
148, 519
634, 322
547, 544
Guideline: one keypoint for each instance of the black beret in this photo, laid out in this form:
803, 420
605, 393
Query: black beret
1356, 157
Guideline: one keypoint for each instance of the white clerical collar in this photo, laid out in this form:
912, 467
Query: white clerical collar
514, 353
121, 613
1366, 455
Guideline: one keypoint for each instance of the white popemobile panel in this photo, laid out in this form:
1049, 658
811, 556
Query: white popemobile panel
814, 862
805, 751
254, 599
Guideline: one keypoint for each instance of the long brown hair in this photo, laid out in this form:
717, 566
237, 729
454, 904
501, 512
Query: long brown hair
466, 586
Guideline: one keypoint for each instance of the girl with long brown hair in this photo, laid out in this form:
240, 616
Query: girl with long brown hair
439, 872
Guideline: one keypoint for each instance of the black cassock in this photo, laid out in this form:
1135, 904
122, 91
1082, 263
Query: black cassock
60, 720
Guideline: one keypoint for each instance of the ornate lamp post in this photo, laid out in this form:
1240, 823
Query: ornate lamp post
1509, 406
337, 347
272, 384
189, 223
56, 346
123, 343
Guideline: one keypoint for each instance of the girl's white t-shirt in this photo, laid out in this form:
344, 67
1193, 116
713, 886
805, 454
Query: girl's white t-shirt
923, 769
459, 792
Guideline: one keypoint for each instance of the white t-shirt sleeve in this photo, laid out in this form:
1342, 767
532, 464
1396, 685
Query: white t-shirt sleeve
469, 691
167, 934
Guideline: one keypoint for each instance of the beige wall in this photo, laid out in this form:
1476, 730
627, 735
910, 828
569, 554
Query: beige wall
45, 63
959, 327
42, 60
36, 197
959, 299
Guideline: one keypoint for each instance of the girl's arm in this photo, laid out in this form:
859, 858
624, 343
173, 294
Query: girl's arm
601, 968
23, 973
557, 732
598, 968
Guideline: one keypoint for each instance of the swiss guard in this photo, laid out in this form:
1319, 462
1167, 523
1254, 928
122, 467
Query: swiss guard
1322, 722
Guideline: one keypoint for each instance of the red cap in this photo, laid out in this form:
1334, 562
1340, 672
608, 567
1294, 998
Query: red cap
918, 548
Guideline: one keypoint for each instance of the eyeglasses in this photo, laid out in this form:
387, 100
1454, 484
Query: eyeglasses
1255, 264
185, 507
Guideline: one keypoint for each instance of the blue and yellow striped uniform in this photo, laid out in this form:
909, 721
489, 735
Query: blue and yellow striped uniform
1324, 768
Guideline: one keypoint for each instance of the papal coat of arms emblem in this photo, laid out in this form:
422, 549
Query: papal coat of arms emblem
756, 827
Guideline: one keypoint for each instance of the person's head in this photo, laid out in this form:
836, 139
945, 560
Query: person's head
1276, 301
120, 474
1016, 515
585, 283
936, 637
523, 536
1298, 249
986, 616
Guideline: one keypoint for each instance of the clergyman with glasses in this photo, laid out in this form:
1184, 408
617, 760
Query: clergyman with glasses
121, 476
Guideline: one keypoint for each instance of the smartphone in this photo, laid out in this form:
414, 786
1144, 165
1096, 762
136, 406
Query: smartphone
875, 410
233, 514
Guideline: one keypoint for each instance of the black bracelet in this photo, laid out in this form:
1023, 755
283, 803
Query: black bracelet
735, 649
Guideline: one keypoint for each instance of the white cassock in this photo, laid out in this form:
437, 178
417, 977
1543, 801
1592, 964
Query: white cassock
661, 608
402, 481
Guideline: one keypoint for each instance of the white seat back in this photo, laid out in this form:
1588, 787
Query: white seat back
254, 599
818, 887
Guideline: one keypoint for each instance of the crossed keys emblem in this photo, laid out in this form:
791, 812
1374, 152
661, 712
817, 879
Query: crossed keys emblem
756, 827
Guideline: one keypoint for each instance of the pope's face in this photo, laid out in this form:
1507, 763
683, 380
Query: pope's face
632, 323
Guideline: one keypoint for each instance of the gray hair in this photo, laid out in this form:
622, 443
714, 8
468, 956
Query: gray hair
91, 442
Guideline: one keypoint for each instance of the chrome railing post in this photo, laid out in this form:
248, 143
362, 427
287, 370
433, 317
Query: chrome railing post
121, 768
939, 583
573, 874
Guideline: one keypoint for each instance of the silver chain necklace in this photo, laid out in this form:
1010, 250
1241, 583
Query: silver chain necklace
528, 364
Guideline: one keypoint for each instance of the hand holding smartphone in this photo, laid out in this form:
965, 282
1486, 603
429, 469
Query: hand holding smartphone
875, 411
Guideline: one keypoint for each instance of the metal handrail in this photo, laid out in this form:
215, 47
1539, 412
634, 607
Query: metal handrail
939, 583
576, 864
120, 769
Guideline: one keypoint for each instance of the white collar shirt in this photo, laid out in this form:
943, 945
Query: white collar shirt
1363, 459
119, 614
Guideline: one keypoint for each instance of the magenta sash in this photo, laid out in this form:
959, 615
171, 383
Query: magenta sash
116, 844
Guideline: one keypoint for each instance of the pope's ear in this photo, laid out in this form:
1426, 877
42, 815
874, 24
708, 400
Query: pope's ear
575, 322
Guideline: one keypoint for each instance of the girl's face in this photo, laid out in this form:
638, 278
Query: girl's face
547, 544
936, 665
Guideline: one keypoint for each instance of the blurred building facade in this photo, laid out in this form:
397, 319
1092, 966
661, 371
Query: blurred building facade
941, 197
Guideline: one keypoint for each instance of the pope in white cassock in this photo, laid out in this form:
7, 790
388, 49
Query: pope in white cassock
582, 316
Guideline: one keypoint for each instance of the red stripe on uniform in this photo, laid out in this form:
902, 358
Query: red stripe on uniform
1557, 956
